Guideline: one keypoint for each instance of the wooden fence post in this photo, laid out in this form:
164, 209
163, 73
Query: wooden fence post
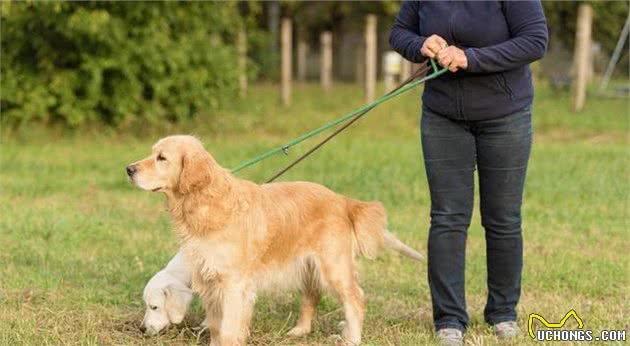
285, 80
581, 55
242, 62
302, 51
325, 72
370, 58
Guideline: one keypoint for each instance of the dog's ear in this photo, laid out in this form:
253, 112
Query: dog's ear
177, 301
196, 171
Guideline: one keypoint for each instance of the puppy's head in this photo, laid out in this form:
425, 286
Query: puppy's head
165, 305
176, 164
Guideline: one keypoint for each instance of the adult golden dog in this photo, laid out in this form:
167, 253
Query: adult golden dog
240, 238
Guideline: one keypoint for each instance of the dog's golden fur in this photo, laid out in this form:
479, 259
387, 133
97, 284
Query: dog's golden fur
242, 238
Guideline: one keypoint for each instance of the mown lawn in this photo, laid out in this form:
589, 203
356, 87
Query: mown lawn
78, 243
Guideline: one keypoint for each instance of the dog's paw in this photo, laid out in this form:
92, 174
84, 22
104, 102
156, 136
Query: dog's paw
298, 331
341, 341
200, 329
337, 339
341, 325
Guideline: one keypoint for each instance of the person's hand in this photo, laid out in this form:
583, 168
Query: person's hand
452, 58
432, 45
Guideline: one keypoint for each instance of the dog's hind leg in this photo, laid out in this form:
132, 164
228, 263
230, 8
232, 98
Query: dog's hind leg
310, 298
307, 313
338, 273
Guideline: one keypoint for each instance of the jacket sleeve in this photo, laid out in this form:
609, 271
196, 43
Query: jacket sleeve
405, 37
528, 42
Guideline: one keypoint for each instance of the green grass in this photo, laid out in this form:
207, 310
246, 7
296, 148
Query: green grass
78, 243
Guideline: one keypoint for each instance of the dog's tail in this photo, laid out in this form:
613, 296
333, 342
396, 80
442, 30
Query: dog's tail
369, 223
395, 244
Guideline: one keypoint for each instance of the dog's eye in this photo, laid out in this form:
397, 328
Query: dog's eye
161, 158
153, 307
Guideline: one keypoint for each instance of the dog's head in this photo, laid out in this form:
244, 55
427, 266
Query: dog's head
165, 305
176, 164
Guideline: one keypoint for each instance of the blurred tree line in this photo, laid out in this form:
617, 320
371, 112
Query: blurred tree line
130, 62
116, 62
608, 20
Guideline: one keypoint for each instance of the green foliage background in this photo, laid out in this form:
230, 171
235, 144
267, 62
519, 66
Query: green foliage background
117, 62
608, 20
144, 63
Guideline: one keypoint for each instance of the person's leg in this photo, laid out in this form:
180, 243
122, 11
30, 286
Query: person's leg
449, 156
503, 147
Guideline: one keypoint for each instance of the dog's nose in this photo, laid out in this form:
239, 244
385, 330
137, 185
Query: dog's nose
143, 328
131, 170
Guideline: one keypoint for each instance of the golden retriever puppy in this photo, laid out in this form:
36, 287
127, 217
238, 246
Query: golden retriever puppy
241, 238
167, 296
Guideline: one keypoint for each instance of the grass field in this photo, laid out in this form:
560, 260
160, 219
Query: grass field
78, 242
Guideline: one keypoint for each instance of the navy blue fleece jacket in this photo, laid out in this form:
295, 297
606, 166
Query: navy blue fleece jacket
499, 38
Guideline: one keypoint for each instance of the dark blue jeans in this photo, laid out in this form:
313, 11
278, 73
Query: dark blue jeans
499, 148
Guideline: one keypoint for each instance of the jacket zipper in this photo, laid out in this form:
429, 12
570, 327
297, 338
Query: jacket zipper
458, 90
460, 101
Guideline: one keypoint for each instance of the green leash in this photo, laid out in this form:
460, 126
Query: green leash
408, 85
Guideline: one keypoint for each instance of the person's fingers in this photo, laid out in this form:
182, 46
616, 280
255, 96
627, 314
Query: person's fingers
434, 47
451, 58
440, 41
452, 51
443, 53
426, 52
432, 38
446, 60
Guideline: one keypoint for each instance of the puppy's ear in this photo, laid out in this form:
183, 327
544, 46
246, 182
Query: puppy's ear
177, 301
196, 171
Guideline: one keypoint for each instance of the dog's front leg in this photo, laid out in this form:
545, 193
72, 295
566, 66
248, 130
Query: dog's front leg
213, 323
237, 307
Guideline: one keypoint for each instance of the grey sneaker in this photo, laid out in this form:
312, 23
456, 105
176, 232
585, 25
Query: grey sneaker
450, 337
506, 330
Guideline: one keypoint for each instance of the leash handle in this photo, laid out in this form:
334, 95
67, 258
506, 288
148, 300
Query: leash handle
418, 77
435, 67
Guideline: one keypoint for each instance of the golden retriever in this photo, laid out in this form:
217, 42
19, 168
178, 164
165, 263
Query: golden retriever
241, 238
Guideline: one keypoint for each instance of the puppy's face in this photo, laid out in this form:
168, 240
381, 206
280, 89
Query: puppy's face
176, 163
165, 306
155, 316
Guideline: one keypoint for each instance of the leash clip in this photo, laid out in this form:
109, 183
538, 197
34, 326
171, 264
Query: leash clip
285, 150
